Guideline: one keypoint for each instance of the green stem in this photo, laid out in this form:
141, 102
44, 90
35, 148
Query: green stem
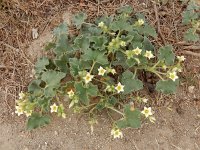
158, 75
135, 73
100, 81
118, 34
94, 62
156, 64
110, 116
116, 110
89, 24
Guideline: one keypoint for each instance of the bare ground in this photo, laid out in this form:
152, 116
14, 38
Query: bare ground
177, 128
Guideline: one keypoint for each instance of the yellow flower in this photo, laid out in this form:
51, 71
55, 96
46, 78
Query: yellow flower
144, 100
101, 71
173, 76
101, 24
21, 95
19, 111
54, 108
113, 71
179, 69
88, 78
129, 54
140, 22
181, 58
119, 88
28, 113
70, 93
147, 112
137, 51
122, 43
117, 133
149, 54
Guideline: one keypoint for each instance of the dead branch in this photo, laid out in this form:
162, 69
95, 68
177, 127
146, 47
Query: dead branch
192, 53
158, 23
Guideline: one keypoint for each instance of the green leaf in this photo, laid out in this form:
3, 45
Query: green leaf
112, 101
137, 39
50, 46
74, 66
166, 54
100, 105
61, 63
36, 120
140, 16
131, 119
52, 80
99, 42
79, 19
91, 30
147, 44
34, 88
82, 43
131, 62
125, 9
120, 25
189, 16
149, 31
106, 19
167, 86
60, 30
130, 84
62, 45
41, 64
191, 35
44, 103
85, 92
120, 60
96, 56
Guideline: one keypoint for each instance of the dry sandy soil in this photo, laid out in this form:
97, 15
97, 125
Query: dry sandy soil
178, 116
175, 129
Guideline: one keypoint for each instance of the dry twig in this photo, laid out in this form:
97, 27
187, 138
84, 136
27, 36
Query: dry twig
158, 23
192, 53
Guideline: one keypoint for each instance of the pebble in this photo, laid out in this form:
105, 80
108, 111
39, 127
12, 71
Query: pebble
56, 132
191, 89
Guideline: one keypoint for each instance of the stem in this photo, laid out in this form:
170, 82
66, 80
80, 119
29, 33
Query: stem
156, 64
110, 116
89, 24
135, 73
92, 109
100, 81
118, 34
116, 110
158, 75
94, 62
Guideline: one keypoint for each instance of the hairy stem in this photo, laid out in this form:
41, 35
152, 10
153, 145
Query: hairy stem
112, 108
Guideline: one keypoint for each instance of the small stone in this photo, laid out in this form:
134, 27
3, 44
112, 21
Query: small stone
191, 89
26, 148
56, 133
35, 33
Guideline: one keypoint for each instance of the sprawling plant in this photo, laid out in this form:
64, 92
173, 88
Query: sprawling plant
191, 16
100, 69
